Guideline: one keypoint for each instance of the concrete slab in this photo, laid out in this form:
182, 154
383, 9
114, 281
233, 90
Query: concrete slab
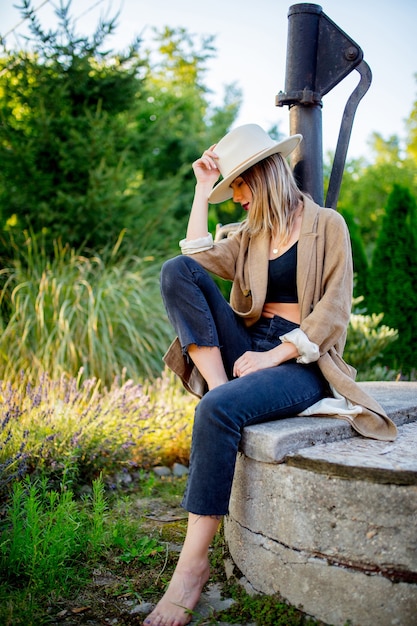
393, 463
273, 441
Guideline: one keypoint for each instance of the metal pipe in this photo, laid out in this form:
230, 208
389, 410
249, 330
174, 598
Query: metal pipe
304, 103
307, 159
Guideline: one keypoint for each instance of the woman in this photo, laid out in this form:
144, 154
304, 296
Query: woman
275, 351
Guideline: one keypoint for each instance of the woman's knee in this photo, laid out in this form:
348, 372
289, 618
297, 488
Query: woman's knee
170, 268
170, 273
173, 269
215, 413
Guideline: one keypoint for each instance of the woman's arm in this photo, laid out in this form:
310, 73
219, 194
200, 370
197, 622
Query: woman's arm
206, 173
219, 257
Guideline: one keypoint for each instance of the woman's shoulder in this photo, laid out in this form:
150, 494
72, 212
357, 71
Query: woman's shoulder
323, 217
331, 216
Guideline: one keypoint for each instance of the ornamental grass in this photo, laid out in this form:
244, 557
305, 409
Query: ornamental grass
102, 314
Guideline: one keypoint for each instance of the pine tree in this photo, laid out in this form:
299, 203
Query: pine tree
360, 263
393, 278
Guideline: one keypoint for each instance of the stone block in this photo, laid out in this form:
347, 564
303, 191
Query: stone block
327, 592
328, 519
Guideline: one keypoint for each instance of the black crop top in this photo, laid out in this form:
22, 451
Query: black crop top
282, 277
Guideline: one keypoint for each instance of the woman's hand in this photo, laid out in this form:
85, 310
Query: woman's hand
251, 362
205, 168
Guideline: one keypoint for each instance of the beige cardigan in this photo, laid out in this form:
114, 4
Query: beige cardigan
324, 285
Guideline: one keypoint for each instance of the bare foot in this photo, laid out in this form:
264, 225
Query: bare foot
181, 597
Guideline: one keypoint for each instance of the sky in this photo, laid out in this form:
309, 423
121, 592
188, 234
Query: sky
251, 45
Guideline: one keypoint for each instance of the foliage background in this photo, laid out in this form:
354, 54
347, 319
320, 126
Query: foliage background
95, 189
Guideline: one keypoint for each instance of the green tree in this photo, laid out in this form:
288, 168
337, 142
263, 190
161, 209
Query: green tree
175, 124
63, 138
411, 125
366, 186
393, 278
93, 142
411, 148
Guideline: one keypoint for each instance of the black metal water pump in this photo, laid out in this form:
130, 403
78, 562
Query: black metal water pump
319, 56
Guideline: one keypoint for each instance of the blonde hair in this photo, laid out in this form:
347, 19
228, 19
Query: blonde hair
275, 197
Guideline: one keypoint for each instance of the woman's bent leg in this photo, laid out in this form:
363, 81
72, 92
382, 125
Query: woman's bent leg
199, 312
220, 417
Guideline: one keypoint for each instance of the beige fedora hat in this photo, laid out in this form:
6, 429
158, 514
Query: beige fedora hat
240, 149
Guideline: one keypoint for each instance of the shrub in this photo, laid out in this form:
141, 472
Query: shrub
69, 426
366, 340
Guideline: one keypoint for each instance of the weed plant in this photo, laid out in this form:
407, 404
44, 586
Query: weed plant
51, 544
262, 610
54, 547
49, 537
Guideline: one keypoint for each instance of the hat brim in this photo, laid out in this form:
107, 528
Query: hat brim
222, 191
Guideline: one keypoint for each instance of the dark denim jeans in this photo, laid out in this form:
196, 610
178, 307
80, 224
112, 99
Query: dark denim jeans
200, 315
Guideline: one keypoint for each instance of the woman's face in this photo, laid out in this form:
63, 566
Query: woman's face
241, 193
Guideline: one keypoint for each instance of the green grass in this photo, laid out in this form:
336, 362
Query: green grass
101, 316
